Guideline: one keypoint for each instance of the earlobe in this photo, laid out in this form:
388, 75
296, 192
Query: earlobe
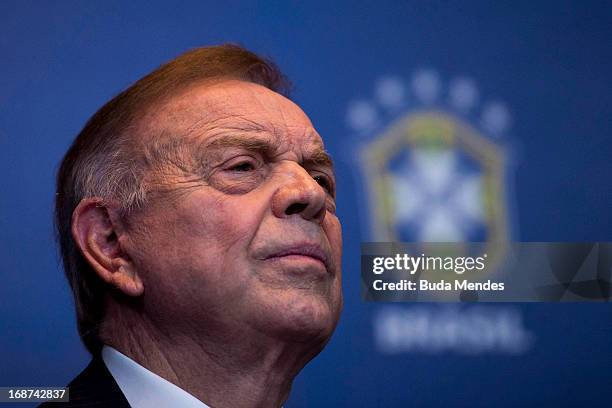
127, 280
96, 231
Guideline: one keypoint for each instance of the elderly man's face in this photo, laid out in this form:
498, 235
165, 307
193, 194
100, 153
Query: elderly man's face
246, 236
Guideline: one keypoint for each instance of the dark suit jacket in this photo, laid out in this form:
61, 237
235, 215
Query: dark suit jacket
94, 387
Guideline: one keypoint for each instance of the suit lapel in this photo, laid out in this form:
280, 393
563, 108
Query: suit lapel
94, 387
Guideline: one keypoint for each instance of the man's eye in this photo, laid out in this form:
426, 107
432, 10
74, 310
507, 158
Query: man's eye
243, 167
323, 182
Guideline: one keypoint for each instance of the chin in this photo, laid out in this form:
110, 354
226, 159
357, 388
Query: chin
307, 319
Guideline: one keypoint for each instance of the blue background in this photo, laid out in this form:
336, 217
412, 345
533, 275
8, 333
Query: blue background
550, 62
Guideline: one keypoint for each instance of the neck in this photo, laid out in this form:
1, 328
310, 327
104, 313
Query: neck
245, 369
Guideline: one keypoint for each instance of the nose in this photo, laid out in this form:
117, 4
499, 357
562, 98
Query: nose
299, 194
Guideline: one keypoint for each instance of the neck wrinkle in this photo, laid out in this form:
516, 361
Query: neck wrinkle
221, 372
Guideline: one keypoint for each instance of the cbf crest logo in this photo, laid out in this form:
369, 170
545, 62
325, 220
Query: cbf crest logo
435, 159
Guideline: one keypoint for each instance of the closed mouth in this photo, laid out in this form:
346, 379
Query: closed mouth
308, 250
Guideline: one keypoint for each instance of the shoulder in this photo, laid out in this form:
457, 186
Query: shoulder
93, 386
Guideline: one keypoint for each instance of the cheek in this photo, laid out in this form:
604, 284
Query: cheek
192, 256
203, 238
333, 231
214, 220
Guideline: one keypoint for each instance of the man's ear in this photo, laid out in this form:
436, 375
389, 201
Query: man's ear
96, 229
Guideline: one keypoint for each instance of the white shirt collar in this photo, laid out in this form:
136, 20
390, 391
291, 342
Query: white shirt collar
143, 388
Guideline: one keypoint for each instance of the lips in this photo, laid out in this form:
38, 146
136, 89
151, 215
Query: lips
310, 250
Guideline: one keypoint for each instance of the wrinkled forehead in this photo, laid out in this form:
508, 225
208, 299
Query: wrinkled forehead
204, 110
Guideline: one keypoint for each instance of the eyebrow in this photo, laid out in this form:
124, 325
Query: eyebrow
320, 158
246, 142
267, 146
